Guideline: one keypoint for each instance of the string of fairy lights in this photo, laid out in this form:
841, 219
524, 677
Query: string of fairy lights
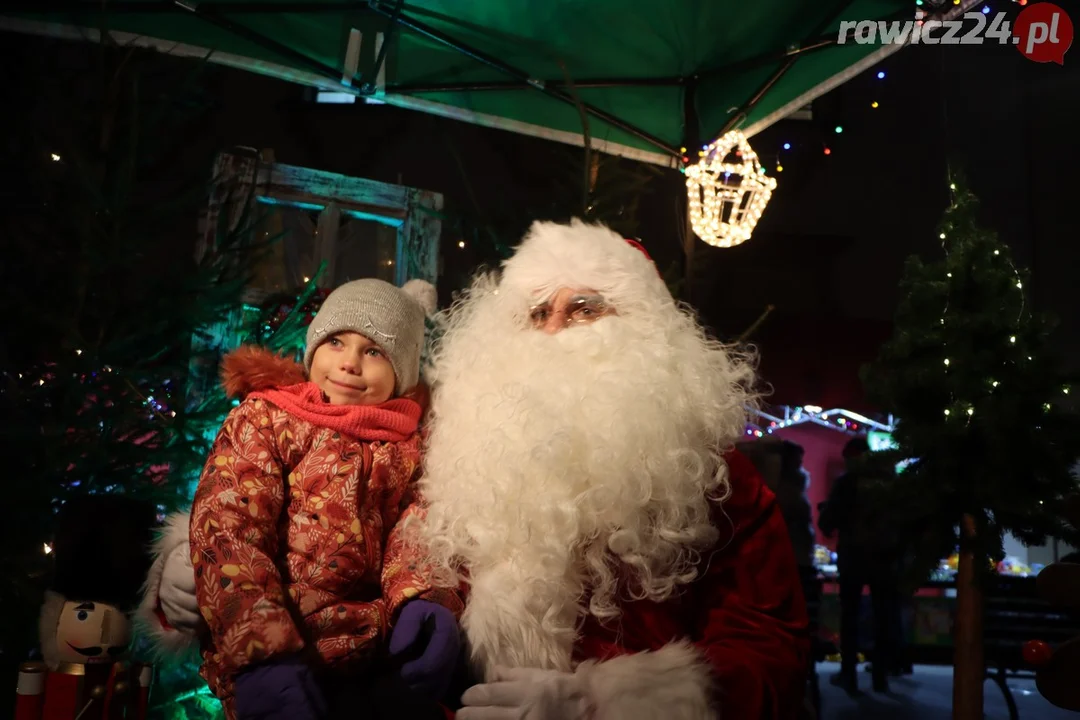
787, 148
103, 379
762, 422
994, 384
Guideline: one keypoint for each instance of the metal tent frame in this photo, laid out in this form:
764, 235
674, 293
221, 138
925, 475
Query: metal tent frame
222, 13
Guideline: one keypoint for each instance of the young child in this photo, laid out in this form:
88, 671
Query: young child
299, 571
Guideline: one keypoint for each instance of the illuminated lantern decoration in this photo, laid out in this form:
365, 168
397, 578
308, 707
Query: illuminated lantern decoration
728, 191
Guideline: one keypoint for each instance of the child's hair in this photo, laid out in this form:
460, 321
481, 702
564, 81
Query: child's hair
389, 316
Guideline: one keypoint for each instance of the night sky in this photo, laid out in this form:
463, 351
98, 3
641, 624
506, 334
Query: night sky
829, 250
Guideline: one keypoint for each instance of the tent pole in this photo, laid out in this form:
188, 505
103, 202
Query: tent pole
807, 47
207, 13
521, 76
512, 85
738, 117
820, 41
369, 87
689, 245
691, 141
750, 104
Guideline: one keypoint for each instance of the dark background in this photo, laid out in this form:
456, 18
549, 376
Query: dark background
829, 250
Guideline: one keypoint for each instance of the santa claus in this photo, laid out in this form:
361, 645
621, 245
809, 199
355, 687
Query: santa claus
621, 560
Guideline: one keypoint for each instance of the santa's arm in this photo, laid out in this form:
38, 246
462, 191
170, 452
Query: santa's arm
753, 627
749, 656
170, 627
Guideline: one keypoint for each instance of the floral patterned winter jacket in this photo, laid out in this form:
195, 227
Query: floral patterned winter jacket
294, 539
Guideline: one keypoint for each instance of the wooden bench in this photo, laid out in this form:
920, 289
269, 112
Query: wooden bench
1013, 614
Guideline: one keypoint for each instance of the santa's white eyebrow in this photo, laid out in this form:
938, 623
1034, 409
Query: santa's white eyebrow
586, 298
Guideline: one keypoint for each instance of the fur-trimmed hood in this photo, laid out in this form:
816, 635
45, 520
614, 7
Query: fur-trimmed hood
251, 368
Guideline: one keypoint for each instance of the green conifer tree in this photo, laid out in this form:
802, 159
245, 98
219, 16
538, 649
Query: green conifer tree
102, 335
981, 403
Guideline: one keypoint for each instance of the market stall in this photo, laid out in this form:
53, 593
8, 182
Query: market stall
820, 435
928, 621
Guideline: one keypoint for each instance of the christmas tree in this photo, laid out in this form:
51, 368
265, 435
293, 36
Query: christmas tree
980, 399
108, 311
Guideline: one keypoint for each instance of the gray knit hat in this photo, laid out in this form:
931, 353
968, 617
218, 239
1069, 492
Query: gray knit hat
390, 316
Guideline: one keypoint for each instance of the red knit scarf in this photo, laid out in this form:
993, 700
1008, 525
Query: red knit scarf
392, 421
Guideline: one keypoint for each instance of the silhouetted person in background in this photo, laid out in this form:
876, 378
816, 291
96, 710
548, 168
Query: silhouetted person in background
794, 503
867, 555
779, 462
791, 494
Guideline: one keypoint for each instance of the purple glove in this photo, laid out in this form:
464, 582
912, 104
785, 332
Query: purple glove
283, 690
427, 642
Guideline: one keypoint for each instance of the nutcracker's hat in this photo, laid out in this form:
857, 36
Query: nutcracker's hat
101, 548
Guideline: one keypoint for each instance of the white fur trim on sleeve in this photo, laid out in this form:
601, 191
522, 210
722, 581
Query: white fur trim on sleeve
674, 683
167, 642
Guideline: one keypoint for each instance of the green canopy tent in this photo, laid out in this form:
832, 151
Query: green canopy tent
643, 78
659, 82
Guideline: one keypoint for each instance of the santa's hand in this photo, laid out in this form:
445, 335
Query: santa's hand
526, 694
427, 640
177, 591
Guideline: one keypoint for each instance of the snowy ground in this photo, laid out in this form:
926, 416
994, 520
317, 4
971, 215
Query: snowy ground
927, 695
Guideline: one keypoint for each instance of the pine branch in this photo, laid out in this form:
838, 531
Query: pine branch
97, 377
756, 324
587, 162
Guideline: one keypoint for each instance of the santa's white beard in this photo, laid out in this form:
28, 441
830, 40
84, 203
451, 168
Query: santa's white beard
567, 471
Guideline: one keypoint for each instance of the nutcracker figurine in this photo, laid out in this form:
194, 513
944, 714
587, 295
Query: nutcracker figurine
101, 554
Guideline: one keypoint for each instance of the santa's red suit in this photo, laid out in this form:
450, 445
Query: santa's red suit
620, 564
745, 617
